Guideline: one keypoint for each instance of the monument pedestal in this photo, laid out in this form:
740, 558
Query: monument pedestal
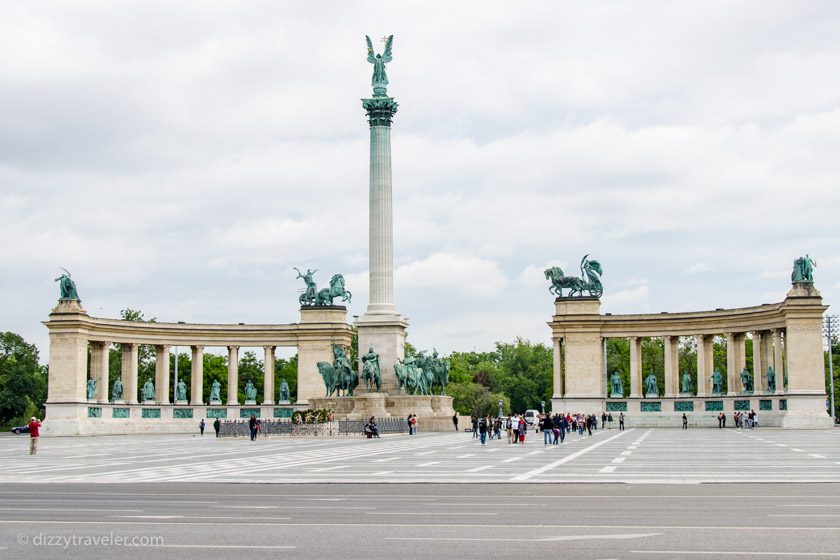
215, 403
386, 334
250, 403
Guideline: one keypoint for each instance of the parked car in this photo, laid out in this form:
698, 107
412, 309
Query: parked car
20, 429
532, 417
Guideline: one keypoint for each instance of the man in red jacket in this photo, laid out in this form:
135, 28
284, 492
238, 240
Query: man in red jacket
34, 433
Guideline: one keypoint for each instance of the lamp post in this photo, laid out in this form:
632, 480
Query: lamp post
831, 326
542, 407
501, 402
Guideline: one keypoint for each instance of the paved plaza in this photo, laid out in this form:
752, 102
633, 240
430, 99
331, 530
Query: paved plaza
631, 456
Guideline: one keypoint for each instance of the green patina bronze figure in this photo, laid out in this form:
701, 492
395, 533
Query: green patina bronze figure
148, 390
91, 389
338, 376
617, 387
746, 381
250, 392
651, 389
717, 383
589, 281
285, 393
215, 391
685, 383
371, 373
803, 270
66, 286
181, 391
771, 380
117, 390
312, 297
379, 81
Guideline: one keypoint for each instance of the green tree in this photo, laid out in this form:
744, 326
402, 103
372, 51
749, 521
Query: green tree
23, 382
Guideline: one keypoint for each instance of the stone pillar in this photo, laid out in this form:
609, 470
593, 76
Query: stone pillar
68, 353
635, 367
99, 369
758, 362
766, 356
129, 371
268, 376
672, 365
162, 374
558, 369
319, 328
197, 376
705, 364
233, 376
381, 327
778, 361
584, 384
735, 358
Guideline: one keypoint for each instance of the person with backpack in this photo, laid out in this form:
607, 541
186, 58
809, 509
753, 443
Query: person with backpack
515, 428
509, 429
201, 426
482, 430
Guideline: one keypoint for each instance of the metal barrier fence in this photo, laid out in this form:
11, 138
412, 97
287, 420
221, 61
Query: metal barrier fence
283, 427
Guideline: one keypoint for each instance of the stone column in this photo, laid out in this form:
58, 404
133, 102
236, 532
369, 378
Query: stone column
162, 374
129, 371
758, 362
233, 376
68, 354
558, 369
381, 327
99, 369
635, 367
268, 376
778, 361
705, 363
766, 356
735, 358
197, 376
672, 365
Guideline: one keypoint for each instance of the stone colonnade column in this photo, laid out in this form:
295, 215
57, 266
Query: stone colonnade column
99, 354
558, 369
705, 363
129, 371
735, 358
672, 365
233, 376
635, 367
766, 356
758, 362
162, 374
778, 361
268, 377
197, 376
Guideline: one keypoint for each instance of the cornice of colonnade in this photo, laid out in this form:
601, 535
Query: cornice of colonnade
766, 317
97, 329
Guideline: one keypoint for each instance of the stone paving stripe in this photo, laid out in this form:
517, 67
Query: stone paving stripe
566, 459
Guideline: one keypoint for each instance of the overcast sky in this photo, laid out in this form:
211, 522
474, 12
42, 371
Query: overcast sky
181, 157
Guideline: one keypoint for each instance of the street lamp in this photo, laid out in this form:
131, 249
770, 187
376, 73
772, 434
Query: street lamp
501, 402
831, 326
542, 407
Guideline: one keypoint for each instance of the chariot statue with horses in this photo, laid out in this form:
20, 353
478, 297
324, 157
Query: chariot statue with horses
589, 280
312, 297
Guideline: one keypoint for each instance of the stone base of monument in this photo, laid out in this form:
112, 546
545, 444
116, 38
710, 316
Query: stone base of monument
250, 403
215, 403
685, 395
434, 412
181, 403
149, 401
280, 403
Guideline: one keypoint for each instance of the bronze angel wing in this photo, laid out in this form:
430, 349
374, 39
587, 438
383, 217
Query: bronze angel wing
371, 58
386, 56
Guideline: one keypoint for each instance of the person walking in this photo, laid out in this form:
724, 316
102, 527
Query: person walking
610, 420
723, 419
474, 420
408, 421
482, 430
455, 420
413, 422
252, 426
515, 429
685, 421
603, 420
34, 434
720, 420
523, 429
547, 429
621, 421
497, 427
201, 426
217, 426
589, 421
509, 429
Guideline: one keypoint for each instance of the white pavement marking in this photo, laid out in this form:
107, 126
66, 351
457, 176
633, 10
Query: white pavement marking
566, 459
724, 553
327, 469
620, 536
425, 453
464, 456
817, 455
478, 469
619, 460
512, 459
429, 464
608, 469
386, 459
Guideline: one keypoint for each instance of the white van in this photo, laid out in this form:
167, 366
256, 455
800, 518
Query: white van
532, 417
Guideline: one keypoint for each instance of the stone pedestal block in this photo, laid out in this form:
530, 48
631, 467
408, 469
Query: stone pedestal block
386, 334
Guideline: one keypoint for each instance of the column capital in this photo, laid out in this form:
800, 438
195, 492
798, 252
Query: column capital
380, 111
